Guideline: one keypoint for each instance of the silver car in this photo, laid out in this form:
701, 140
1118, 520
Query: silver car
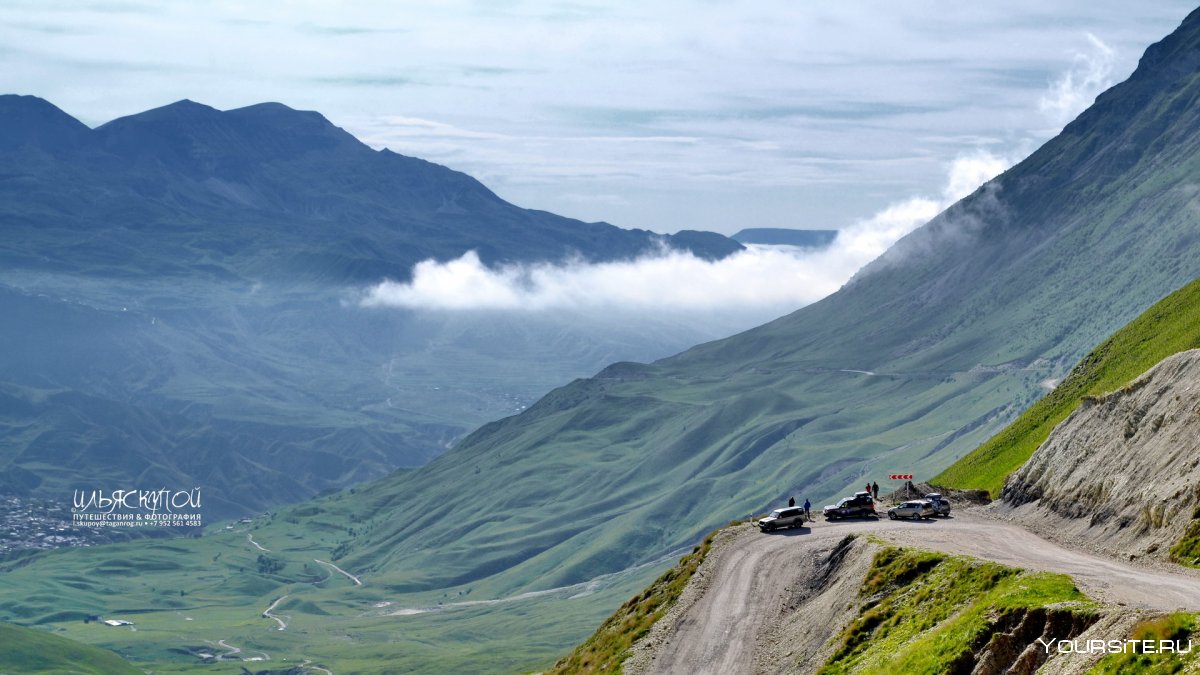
915, 509
792, 516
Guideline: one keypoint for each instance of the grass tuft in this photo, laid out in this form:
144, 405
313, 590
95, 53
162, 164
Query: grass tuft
1176, 628
1186, 551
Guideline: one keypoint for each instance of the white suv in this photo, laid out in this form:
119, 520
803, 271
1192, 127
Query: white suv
792, 516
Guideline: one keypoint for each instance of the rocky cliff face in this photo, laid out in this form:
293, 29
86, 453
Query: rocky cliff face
1122, 473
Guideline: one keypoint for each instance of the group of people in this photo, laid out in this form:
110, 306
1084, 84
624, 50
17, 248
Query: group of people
872, 488
807, 506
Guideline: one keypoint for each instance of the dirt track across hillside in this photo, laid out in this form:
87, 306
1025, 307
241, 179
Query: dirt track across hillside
751, 577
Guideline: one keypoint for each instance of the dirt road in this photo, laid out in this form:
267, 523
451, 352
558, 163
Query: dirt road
335, 568
1106, 579
751, 576
268, 613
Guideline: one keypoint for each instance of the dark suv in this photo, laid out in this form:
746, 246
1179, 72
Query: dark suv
941, 505
861, 505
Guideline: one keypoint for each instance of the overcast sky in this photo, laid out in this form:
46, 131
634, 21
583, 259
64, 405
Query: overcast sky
663, 115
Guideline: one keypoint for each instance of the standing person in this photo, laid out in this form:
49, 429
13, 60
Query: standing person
791, 501
807, 506
868, 488
875, 490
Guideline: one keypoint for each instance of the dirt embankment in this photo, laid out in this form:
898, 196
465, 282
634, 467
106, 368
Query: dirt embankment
754, 601
958, 498
1121, 475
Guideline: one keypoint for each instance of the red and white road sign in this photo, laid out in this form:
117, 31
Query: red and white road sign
901, 476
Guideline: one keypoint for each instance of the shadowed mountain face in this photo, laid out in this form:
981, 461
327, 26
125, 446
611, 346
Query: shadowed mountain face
925, 353
179, 288
263, 191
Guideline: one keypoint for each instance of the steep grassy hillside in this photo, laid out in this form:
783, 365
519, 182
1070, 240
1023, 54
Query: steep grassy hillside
609, 646
1170, 326
34, 651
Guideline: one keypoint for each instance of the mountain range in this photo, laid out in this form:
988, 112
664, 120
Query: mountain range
181, 290
779, 236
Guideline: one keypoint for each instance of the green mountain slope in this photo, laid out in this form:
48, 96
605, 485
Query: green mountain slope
23, 650
1171, 326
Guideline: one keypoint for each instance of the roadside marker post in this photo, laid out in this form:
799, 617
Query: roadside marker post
904, 477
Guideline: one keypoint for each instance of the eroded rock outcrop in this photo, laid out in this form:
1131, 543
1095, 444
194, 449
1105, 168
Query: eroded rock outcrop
1122, 473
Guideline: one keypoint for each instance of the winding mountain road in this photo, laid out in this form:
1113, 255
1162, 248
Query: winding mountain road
232, 652
307, 667
268, 613
742, 590
335, 568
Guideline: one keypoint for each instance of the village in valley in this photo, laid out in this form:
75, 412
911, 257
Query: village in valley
28, 524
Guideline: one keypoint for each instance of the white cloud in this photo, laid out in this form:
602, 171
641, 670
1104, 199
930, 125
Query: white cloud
671, 280
1090, 73
758, 280
968, 172
399, 126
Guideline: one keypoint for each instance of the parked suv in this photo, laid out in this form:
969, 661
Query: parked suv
939, 503
792, 516
861, 505
915, 509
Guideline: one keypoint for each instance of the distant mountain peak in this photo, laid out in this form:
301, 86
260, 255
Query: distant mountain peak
343, 210
1169, 63
191, 112
267, 106
33, 121
289, 120
271, 109
1177, 53
188, 104
10, 102
184, 108
203, 140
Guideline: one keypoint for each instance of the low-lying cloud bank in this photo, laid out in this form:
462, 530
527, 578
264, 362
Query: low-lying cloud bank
761, 278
